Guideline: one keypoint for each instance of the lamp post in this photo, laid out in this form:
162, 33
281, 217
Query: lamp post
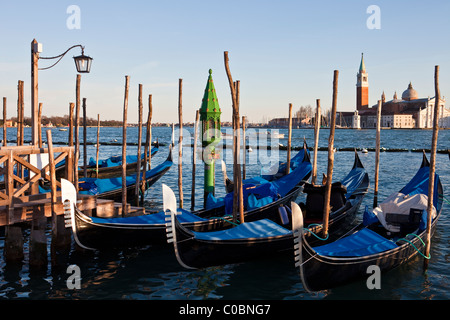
82, 63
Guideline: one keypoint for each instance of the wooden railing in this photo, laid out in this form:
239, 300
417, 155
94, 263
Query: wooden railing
17, 185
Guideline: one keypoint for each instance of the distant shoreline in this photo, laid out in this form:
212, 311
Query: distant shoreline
161, 125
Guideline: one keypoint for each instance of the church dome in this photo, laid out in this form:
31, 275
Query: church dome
410, 94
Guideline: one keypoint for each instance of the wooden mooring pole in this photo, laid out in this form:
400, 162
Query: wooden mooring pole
4, 123
138, 169
326, 210
431, 180
77, 131
71, 108
13, 247
51, 160
377, 155
244, 149
148, 140
38, 239
61, 236
288, 163
148, 147
20, 130
234, 88
34, 90
84, 140
40, 125
180, 141
124, 148
20, 113
317, 123
240, 201
194, 159
98, 145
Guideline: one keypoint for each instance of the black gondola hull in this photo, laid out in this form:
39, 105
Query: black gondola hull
110, 235
201, 254
195, 252
320, 272
323, 272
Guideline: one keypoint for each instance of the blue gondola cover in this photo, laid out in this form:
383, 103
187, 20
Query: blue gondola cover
255, 229
362, 243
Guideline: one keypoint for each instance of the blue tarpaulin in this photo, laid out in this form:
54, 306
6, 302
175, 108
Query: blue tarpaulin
353, 180
117, 160
255, 229
362, 243
366, 242
150, 219
274, 190
97, 186
419, 184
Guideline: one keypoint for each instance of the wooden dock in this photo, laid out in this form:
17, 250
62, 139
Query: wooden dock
25, 207
22, 204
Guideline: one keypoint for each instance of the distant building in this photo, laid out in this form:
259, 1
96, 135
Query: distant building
362, 87
408, 112
284, 122
356, 120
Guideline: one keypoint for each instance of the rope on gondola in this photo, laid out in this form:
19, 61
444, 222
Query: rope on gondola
415, 235
300, 265
315, 235
236, 224
445, 199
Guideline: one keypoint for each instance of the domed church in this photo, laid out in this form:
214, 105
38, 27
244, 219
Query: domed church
410, 94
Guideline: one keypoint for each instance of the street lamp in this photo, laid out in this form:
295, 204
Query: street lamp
82, 63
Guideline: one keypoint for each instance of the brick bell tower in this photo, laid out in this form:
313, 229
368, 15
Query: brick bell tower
362, 87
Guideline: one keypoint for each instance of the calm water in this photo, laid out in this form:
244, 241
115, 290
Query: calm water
153, 272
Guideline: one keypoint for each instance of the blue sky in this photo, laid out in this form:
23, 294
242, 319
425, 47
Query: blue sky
282, 52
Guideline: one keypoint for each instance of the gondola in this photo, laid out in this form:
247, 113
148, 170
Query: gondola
111, 188
99, 233
386, 242
263, 237
270, 174
107, 168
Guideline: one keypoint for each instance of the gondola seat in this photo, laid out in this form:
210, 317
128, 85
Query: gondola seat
315, 197
406, 223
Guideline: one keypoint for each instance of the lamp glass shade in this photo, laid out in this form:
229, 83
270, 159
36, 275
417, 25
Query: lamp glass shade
83, 63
